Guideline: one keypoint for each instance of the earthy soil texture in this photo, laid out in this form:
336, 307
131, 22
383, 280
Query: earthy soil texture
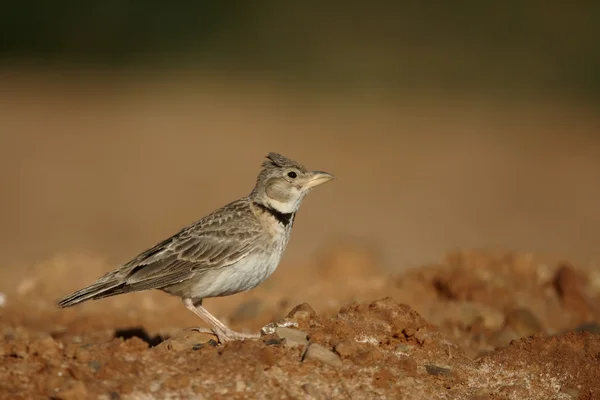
478, 325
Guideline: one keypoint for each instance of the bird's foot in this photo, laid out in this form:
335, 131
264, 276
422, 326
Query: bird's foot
227, 335
271, 327
201, 330
230, 335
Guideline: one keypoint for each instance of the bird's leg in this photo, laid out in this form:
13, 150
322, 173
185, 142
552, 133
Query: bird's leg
224, 333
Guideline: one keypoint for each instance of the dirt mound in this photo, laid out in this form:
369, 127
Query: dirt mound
478, 326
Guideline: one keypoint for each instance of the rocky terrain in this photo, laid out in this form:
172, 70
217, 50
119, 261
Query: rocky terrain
478, 325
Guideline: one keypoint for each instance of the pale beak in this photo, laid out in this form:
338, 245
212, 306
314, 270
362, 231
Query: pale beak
317, 178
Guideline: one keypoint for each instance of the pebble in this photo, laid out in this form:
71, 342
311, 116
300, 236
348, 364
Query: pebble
346, 348
302, 311
293, 337
404, 348
315, 351
2, 299
422, 336
94, 365
436, 370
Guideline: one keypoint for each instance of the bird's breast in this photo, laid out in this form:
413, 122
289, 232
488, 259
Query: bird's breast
244, 275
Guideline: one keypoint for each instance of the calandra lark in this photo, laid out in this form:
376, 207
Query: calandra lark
232, 250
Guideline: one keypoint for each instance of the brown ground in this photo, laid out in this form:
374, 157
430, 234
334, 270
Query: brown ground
477, 326
93, 172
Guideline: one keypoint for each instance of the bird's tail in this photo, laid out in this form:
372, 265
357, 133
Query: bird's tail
108, 285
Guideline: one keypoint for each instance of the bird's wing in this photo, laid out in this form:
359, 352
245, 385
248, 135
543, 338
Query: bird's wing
218, 240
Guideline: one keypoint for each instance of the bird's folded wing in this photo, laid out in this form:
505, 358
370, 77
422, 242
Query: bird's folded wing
187, 254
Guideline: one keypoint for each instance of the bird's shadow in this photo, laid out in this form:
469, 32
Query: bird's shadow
141, 333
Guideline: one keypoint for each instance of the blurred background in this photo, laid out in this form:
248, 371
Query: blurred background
448, 126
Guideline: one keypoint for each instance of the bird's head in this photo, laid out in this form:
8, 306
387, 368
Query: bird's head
283, 183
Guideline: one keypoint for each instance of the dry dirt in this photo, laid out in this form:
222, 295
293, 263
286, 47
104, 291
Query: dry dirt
477, 326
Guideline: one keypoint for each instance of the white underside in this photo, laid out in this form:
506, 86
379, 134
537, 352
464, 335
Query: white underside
240, 277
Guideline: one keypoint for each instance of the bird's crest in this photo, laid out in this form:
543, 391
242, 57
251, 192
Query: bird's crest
276, 160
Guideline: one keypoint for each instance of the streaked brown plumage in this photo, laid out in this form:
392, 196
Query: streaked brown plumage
231, 250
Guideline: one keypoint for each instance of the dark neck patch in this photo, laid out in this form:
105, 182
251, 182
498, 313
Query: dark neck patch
284, 218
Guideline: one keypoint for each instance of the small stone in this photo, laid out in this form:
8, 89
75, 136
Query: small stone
346, 348
94, 365
319, 353
409, 331
197, 346
436, 370
302, 311
212, 342
271, 327
421, 335
114, 396
274, 342
293, 337
404, 348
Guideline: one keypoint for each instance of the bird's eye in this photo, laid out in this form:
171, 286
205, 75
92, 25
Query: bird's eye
292, 174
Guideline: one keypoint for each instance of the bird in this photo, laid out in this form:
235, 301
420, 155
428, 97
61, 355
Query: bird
231, 250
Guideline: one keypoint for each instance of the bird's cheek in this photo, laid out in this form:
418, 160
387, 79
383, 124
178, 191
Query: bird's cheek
277, 191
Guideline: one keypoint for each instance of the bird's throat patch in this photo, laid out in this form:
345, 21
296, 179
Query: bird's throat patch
283, 218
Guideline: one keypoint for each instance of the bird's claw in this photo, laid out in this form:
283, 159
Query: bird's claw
271, 327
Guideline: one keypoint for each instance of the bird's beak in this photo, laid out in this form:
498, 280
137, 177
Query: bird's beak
317, 178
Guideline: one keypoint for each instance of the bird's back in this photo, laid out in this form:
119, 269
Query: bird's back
217, 241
